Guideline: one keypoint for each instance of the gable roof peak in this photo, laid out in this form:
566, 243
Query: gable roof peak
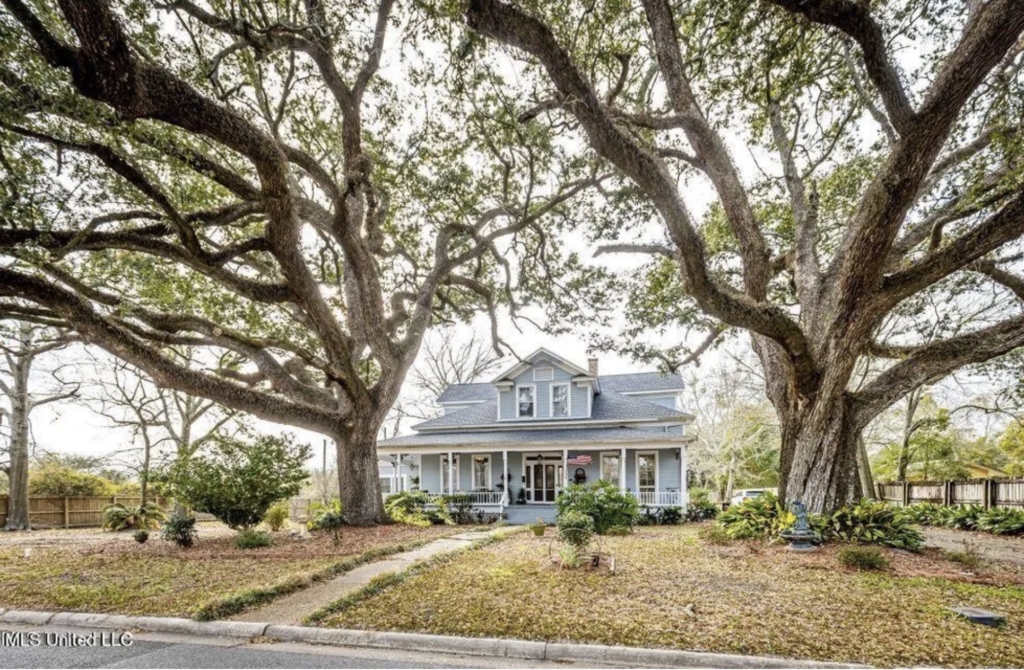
535, 357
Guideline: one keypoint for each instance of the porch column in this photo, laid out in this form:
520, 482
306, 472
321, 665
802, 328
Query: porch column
622, 471
506, 497
684, 494
451, 473
565, 468
395, 476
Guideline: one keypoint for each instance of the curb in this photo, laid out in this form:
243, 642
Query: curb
467, 646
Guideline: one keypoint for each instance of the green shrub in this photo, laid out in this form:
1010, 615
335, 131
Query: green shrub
238, 479
575, 528
619, 531
968, 517
52, 477
119, 517
648, 517
863, 558
873, 522
181, 530
602, 501
963, 517
252, 539
970, 557
701, 508
757, 518
714, 534
670, 516
276, 516
327, 516
141, 535
925, 514
459, 506
411, 508
1001, 521
570, 556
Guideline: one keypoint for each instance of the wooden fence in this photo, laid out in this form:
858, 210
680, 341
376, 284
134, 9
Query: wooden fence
78, 511
984, 492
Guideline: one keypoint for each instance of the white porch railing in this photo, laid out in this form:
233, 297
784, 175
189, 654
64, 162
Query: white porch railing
478, 497
645, 498
658, 498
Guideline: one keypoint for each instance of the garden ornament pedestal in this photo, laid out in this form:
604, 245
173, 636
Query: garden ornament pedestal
800, 537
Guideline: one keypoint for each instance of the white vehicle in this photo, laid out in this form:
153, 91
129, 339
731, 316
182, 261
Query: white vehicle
745, 494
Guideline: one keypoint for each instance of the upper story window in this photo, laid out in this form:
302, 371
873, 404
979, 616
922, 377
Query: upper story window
559, 400
543, 374
525, 402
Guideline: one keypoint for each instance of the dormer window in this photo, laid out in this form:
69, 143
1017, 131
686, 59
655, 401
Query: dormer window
525, 402
559, 400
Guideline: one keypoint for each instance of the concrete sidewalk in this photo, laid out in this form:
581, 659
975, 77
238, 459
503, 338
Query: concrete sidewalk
293, 608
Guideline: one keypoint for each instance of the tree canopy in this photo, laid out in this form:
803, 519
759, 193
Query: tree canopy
884, 180
298, 189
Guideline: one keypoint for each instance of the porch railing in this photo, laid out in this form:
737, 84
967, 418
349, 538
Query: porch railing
645, 498
658, 498
477, 497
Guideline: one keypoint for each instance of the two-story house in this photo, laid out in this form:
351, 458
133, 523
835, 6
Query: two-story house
515, 442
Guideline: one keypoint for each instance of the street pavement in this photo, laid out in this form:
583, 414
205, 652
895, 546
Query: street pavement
161, 650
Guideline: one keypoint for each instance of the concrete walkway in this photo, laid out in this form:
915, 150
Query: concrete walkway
293, 608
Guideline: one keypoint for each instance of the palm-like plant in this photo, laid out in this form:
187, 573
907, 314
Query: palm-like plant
119, 517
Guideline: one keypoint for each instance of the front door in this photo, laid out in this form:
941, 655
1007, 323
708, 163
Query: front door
544, 477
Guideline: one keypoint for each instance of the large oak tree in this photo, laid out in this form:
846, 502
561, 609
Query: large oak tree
296, 187
887, 143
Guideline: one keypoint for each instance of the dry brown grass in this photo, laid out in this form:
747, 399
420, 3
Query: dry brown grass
748, 599
159, 578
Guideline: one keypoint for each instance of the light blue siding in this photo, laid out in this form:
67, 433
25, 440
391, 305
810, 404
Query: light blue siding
430, 473
430, 470
522, 515
580, 406
507, 399
542, 395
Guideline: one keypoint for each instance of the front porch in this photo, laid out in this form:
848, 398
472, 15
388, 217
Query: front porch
524, 483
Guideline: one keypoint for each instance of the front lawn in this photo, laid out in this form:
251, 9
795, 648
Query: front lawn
747, 599
158, 578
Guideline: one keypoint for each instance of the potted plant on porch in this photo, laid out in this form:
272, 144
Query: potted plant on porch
538, 527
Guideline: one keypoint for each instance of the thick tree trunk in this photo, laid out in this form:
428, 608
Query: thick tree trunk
819, 456
359, 477
17, 498
867, 481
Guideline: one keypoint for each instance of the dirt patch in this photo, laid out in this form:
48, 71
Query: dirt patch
991, 547
70, 537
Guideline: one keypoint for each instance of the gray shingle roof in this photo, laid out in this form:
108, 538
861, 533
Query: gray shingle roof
468, 392
557, 436
608, 406
628, 383
640, 382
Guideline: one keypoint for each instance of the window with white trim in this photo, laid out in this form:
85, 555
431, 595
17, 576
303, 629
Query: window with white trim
481, 472
647, 472
559, 400
525, 401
